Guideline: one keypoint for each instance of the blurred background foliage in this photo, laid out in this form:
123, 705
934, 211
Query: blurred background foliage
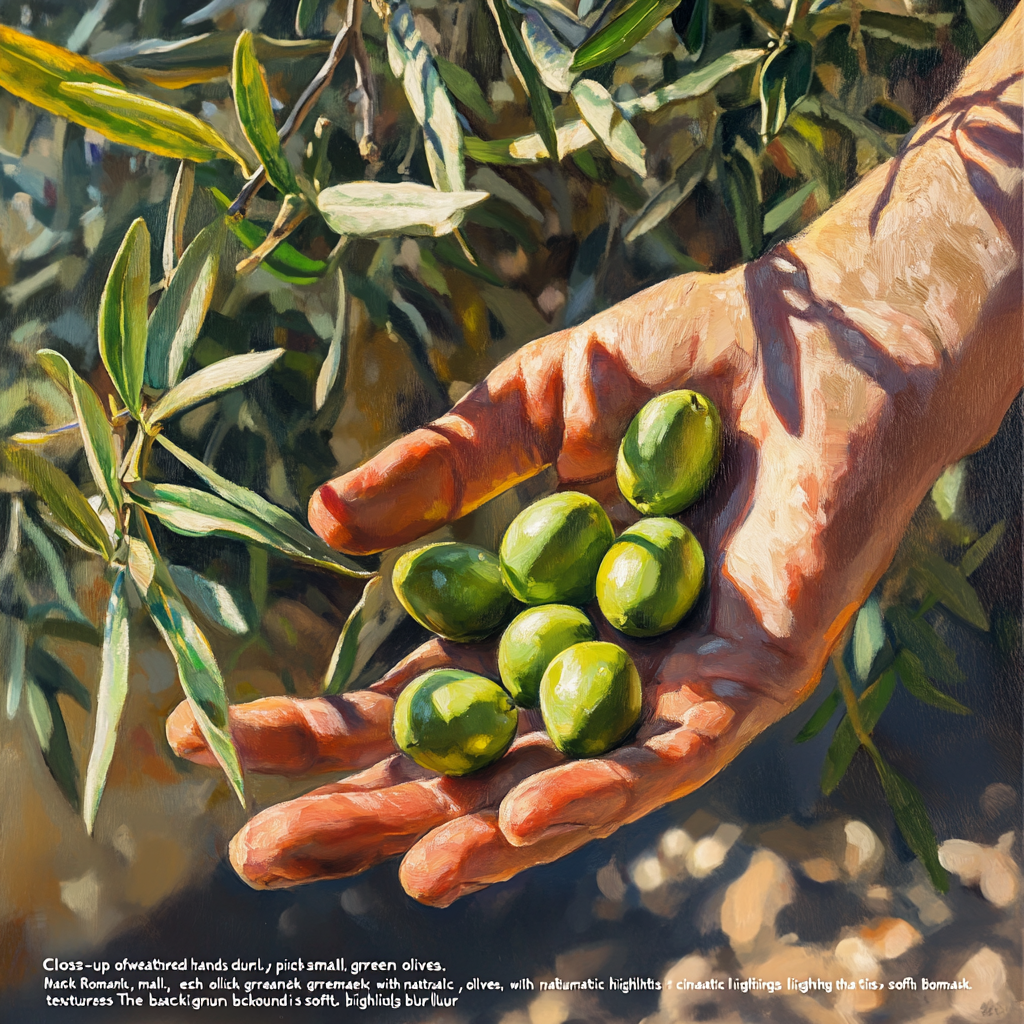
690, 136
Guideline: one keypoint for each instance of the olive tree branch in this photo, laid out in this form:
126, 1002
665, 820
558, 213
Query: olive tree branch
303, 106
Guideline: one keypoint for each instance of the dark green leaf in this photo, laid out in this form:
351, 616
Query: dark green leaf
124, 315
782, 212
982, 548
285, 262
873, 701
179, 315
110, 697
912, 818
820, 718
80, 632
509, 26
740, 187
309, 17
197, 668
463, 86
912, 32
266, 513
52, 674
697, 28
937, 659
256, 115
911, 674
950, 585
211, 380
447, 251
785, 79
64, 499
621, 35
984, 17
48, 723
97, 433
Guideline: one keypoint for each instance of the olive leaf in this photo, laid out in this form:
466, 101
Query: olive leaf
785, 79
15, 637
256, 115
820, 718
123, 316
110, 697
606, 121
51, 732
197, 668
373, 209
872, 702
937, 659
949, 584
982, 548
97, 434
65, 500
695, 33
784, 210
179, 315
916, 683
211, 380
868, 638
464, 87
216, 602
621, 35
332, 363
552, 59
740, 188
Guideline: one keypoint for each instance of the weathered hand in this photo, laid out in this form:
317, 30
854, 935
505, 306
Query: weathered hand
835, 373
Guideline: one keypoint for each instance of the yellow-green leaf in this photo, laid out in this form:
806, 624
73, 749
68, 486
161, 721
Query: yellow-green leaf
139, 121
256, 115
123, 316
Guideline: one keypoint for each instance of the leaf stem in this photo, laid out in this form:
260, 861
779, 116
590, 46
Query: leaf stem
852, 704
303, 106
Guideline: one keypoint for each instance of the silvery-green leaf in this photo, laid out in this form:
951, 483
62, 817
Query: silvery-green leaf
110, 697
868, 638
56, 567
211, 380
373, 209
785, 79
788, 208
946, 490
332, 363
197, 668
265, 511
179, 315
216, 602
605, 119
694, 83
14, 636
552, 59
174, 233
429, 100
982, 548
666, 200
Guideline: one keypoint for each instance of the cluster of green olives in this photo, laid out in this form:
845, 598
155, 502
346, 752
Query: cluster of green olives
558, 555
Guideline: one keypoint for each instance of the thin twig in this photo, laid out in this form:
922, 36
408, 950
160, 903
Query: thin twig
850, 699
367, 86
305, 104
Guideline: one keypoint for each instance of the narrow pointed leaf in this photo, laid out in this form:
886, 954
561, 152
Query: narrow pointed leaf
740, 189
785, 79
950, 586
982, 548
256, 115
937, 658
820, 718
79, 632
621, 35
873, 701
211, 380
912, 818
181, 311
916, 683
605, 120
697, 28
694, 83
372, 209
216, 602
868, 638
509, 28
65, 500
135, 120
665, 201
14, 636
464, 87
332, 363
195, 513
782, 212
110, 698
370, 623
123, 316
197, 668
51, 732
552, 59
57, 569
97, 433
52, 674
177, 213
266, 512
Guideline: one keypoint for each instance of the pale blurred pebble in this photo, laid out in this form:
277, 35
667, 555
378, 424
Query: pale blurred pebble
820, 869
857, 956
890, 938
989, 996
647, 873
610, 881
997, 798
864, 852
931, 909
991, 867
674, 847
754, 900
708, 854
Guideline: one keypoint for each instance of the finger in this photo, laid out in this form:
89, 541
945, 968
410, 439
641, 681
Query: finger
471, 853
439, 653
337, 831
291, 736
593, 797
503, 431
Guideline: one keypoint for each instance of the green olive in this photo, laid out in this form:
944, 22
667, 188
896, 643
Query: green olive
590, 698
531, 640
454, 722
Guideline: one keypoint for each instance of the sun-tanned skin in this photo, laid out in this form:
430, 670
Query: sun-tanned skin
850, 366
